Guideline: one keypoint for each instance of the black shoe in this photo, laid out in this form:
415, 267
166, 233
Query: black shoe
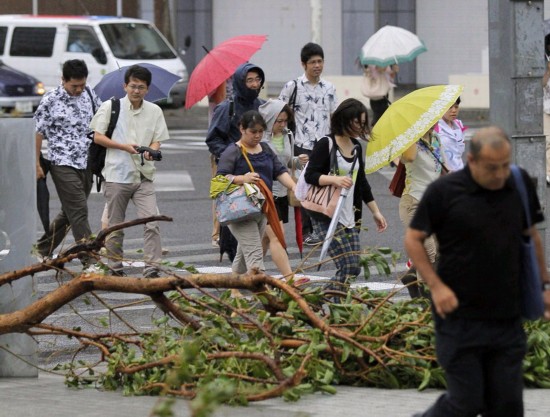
411, 281
151, 273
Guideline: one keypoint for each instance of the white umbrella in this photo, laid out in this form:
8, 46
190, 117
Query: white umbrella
336, 216
391, 45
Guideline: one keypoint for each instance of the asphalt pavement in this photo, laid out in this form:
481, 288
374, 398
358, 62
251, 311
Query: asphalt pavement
183, 183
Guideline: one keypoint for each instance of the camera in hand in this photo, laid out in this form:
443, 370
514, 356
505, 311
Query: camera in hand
156, 155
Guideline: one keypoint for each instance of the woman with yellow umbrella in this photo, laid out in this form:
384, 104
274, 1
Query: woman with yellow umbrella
406, 130
423, 164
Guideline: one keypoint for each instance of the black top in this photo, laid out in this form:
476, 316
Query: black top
479, 233
319, 164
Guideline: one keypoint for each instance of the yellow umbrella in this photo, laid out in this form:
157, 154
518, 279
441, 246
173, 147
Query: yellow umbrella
406, 121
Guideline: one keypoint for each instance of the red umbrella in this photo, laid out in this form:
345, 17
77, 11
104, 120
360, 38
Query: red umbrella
219, 64
298, 229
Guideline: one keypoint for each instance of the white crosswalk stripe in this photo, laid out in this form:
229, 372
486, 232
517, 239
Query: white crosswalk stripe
206, 259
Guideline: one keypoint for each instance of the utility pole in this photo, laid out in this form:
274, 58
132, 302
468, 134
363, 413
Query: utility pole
316, 21
516, 66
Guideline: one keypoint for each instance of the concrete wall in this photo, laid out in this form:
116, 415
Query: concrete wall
17, 234
288, 26
455, 33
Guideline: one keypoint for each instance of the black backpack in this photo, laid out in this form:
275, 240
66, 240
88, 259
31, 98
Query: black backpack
96, 153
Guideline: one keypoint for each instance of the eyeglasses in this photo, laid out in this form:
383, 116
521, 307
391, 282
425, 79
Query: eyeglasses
137, 87
253, 80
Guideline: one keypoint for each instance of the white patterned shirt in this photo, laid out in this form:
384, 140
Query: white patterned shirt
314, 105
64, 122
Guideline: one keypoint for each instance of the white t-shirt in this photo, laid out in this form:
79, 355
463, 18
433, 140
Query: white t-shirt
452, 140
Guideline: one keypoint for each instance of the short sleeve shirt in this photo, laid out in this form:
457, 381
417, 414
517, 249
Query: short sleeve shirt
452, 139
479, 232
140, 127
64, 122
314, 105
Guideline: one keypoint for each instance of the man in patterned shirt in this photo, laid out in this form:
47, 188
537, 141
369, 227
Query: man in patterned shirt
63, 118
313, 101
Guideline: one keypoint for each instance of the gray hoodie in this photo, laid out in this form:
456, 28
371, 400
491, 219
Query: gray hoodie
270, 110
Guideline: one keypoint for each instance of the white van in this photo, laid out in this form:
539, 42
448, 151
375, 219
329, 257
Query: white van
38, 45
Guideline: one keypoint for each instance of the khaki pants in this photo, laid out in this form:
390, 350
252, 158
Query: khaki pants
250, 254
143, 196
407, 207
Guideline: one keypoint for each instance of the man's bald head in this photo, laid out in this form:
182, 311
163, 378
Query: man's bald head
490, 157
492, 136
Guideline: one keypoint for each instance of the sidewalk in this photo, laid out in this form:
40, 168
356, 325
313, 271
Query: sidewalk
47, 396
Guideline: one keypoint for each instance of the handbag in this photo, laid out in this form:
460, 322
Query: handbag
324, 199
243, 203
375, 87
397, 184
532, 304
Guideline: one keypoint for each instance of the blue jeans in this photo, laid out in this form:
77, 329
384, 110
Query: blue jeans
483, 365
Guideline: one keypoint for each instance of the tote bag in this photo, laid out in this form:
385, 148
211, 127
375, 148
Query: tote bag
532, 304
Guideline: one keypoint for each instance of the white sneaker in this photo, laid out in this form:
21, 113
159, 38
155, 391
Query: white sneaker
548, 180
94, 269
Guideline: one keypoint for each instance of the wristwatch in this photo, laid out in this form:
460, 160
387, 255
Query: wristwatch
546, 286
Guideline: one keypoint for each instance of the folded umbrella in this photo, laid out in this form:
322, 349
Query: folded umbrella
339, 205
298, 229
270, 212
111, 85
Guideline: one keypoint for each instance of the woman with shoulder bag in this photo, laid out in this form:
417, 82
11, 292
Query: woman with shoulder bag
424, 164
247, 161
348, 122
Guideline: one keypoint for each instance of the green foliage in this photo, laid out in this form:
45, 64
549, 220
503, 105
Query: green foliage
244, 352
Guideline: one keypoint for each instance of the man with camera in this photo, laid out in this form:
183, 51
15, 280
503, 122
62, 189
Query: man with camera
129, 168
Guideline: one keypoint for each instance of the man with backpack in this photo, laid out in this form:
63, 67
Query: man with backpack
128, 174
62, 118
313, 100
248, 80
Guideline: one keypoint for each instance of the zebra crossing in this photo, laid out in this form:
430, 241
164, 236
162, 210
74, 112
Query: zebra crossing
206, 259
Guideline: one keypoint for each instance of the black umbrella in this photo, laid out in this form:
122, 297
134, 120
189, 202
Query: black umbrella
43, 195
228, 243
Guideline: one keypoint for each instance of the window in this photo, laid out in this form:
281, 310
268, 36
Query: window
3, 31
36, 42
82, 40
136, 41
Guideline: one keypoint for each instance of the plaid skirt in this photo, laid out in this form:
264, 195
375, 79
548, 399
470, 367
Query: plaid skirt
344, 249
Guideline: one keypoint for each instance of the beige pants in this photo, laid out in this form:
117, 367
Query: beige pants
407, 207
143, 196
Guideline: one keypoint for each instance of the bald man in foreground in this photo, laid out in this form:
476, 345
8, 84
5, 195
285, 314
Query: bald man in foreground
478, 219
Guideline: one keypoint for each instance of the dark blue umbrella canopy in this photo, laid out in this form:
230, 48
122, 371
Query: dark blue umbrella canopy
112, 84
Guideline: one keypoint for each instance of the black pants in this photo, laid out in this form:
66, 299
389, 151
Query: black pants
307, 227
483, 365
378, 108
